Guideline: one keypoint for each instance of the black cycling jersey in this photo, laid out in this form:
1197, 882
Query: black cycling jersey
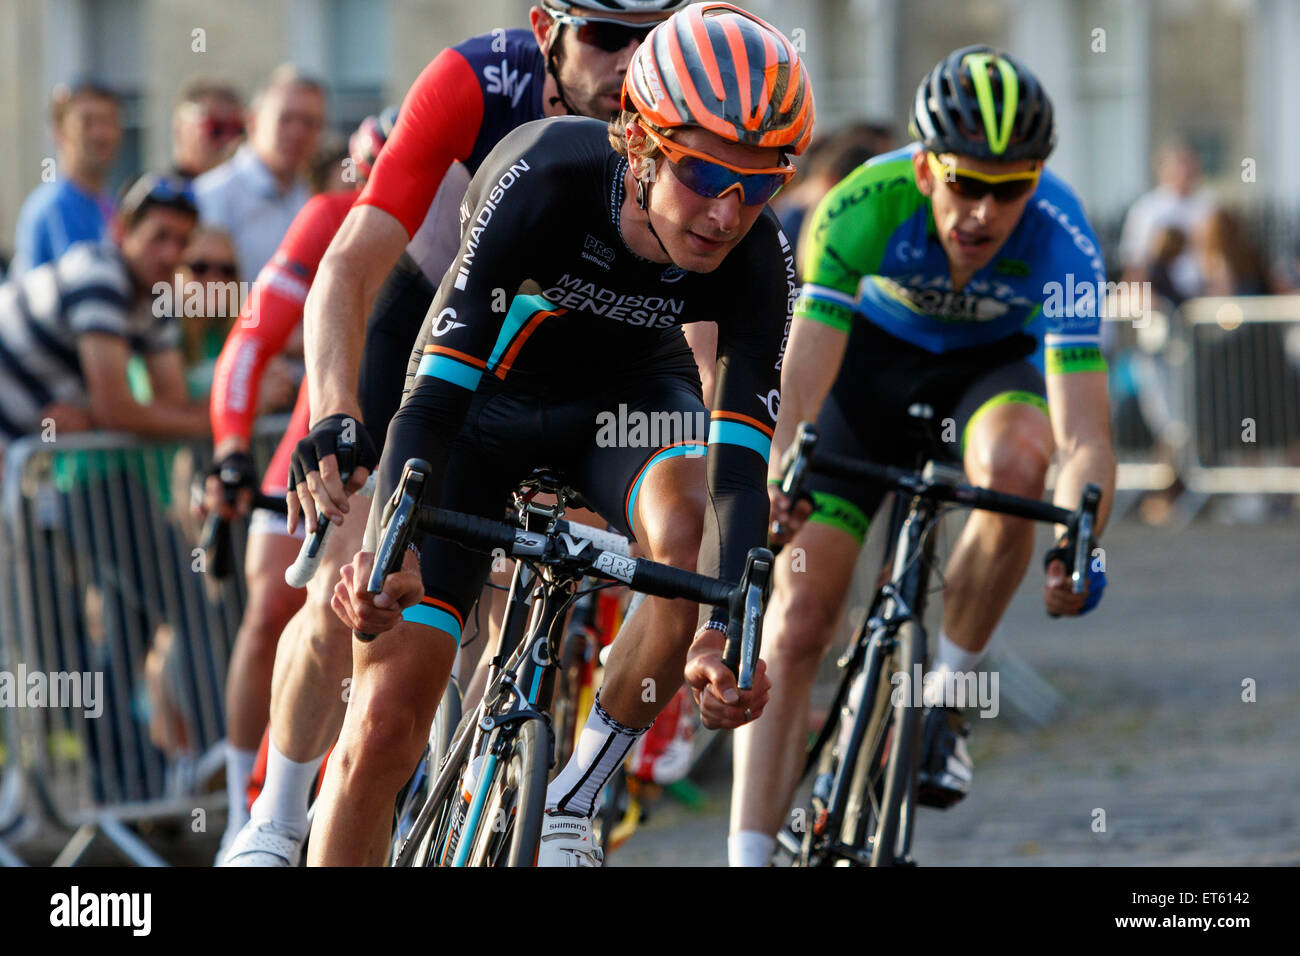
544, 299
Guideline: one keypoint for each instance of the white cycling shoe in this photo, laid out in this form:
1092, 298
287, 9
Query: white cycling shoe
263, 843
567, 840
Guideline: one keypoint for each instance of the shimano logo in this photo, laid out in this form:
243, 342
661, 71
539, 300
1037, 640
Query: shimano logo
593, 250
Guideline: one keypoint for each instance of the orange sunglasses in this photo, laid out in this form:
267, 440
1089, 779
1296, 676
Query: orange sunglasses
713, 178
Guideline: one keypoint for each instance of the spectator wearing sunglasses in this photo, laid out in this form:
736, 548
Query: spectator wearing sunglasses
69, 327
207, 124
86, 122
255, 194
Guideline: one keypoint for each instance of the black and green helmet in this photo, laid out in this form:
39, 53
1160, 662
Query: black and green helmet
982, 103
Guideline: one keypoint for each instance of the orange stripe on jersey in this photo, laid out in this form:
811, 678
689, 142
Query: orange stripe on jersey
736, 416
463, 356
508, 359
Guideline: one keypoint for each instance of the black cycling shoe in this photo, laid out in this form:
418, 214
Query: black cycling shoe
946, 769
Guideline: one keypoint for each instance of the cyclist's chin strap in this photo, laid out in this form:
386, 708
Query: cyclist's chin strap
552, 69
643, 200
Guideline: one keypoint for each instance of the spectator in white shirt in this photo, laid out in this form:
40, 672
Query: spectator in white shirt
256, 193
1179, 202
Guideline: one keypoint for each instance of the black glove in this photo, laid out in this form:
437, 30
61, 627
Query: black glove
327, 438
236, 472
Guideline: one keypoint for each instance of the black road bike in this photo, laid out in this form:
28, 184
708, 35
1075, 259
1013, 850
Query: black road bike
510, 734
865, 760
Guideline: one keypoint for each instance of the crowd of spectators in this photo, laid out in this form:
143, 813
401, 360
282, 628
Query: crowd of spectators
84, 340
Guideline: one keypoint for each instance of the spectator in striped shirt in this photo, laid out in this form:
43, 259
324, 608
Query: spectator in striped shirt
68, 328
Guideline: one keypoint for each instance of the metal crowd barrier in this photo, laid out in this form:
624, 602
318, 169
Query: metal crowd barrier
1148, 426
1242, 393
103, 599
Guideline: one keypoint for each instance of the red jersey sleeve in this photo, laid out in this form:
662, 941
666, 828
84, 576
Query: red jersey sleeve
271, 311
439, 122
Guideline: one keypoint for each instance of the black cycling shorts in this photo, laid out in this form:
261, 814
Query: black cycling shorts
866, 413
509, 431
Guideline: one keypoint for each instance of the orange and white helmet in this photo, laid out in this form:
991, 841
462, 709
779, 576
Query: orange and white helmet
716, 66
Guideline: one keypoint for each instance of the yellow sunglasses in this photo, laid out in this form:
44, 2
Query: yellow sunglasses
713, 178
970, 184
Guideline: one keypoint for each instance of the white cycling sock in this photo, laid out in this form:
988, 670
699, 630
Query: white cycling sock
602, 748
287, 791
948, 660
239, 767
749, 848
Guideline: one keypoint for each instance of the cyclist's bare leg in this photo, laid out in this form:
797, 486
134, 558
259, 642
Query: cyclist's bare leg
315, 657
799, 626
652, 645
1009, 450
398, 679
271, 604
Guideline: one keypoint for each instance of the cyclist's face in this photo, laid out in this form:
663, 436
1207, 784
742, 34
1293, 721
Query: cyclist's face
971, 231
592, 77
698, 232
154, 246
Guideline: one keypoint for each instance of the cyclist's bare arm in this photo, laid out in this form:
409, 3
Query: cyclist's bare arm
358, 260
1081, 428
812, 361
112, 406
702, 337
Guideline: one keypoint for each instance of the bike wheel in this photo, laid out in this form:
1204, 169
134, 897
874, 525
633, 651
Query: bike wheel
866, 790
568, 715
900, 779
415, 792
510, 826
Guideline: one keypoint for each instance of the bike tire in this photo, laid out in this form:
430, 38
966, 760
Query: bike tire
900, 776
574, 652
866, 791
510, 828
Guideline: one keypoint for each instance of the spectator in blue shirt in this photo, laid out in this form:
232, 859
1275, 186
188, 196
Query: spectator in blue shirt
75, 205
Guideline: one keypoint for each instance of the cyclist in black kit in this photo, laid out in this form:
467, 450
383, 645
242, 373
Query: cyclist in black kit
578, 266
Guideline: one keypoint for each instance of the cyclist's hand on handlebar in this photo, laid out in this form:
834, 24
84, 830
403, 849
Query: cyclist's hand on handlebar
335, 445
230, 485
722, 705
369, 613
784, 521
1058, 597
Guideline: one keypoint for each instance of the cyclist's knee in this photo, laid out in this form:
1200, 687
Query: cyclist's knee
672, 529
386, 744
329, 639
1017, 464
799, 621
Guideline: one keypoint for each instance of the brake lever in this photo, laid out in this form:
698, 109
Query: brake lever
745, 620
1087, 520
398, 527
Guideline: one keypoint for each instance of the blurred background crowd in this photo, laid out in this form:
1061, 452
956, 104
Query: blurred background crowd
1175, 116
